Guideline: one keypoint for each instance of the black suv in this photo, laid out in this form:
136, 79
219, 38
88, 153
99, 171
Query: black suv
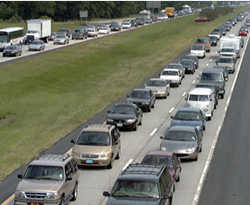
143, 185
143, 98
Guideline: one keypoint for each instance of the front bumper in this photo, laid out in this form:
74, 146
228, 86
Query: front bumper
187, 155
93, 162
36, 202
10, 54
59, 42
121, 123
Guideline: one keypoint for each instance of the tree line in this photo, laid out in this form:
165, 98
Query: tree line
69, 10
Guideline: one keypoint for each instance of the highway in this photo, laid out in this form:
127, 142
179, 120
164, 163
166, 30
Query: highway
93, 181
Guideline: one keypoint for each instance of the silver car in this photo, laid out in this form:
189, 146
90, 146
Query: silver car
61, 38
159, 87
184, 141
36, 45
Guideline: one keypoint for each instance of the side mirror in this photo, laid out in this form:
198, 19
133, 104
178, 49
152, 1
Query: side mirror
19, 176
106, 194
69, 178
72, 141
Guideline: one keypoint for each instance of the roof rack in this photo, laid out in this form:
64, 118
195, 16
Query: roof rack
55, 157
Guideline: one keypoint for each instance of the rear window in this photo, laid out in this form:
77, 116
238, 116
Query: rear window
198, 98
169, 72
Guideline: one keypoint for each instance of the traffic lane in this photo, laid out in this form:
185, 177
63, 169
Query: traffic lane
229, 169
133, 144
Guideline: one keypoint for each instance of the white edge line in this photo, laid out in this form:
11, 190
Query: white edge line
193, 81
210, 155
171, 110
127, 164
153, 132
184, 94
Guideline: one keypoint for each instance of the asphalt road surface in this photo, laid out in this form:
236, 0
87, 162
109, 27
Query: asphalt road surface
93, 181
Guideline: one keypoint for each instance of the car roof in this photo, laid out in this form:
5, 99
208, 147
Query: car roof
97, 127
170, 69
141, 89
211, 70
189, 109
158, 79
200, 91
181, 128
126, 104
51, 160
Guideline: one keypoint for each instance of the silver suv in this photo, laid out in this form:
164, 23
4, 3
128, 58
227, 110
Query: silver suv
49, 179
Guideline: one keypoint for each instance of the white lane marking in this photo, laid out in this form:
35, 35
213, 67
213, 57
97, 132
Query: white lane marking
171, 110
184, 94
153, 132
207, 64
193, 82
127, 164
211, 152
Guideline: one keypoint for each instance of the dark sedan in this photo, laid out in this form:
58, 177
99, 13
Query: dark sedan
195, 59
164, 158
125, 115
115, 26
189, 116
213, 40
188, 65
13, 50
143, 98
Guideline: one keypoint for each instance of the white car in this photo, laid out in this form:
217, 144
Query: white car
159, 87
126, 25
172, 75
104, 30
92, 32
202, 98
162, 18
198, 50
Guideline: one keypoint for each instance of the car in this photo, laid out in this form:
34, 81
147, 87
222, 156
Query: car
125, 115
243, 32
202, 98
12, 50
65, 30
164, 158
215, 76
224, 70
188, 65
148, 20
213, 40
104, 30
142, 184
198, 50
140, 21
133, 22
115, 26
216, 33
92, 31
247, 22
173, 75
126, 24
228, 61
204, 41
178, 66
48, 179
61, 38
36, 45
189, 116
52, 36
184, 141
162, 17
80, 33
160, 87
97, 145
202, 19
195, 59
143, 98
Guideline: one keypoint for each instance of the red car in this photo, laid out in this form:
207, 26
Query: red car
243, 33
202, 19
164, 158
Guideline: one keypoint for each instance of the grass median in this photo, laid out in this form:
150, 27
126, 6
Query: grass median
45, 97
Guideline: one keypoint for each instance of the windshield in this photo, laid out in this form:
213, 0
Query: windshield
198, 98
93, 138
36, 42
44, 173
157, 83
225, 60
133, 188
13, 47
3, 38
213, 38
123, 109
201, 41
169, 72
77, 31
158, 160
60, 35
140, 94
187, 115
197, 47
186, 63
173, 66
180, 136
227, 50
212, 76
248, 20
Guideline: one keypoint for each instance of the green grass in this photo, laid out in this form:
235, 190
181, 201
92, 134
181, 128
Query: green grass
53, 93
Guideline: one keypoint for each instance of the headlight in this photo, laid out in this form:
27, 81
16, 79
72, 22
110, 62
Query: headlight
106, 155
52, 195
20, 194
131, 121
163, 149
190, 150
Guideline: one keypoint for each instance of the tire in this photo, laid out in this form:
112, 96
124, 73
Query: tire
75, 193
109, 165
153, 106
178, 179
140, 123
118, 155
222, 96
149, 109
196, 159
134, 127
62, 202
200, 149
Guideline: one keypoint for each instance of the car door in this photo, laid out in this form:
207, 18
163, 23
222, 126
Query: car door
138, 114
152, 96
68, 185
176, 164
115, 135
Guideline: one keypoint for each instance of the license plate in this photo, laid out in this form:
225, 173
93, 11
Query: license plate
88, 161
119, 124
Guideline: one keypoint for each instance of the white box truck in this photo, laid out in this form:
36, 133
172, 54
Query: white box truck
38, 29
230, 46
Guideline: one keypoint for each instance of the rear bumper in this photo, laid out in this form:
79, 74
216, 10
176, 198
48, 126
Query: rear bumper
43, 202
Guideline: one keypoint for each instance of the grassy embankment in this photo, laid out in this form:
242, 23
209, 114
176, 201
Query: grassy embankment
53, 93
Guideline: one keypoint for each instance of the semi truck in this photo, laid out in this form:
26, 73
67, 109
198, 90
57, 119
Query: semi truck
38, 29
170, 11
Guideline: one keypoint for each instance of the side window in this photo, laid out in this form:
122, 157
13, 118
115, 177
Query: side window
68, 170
115, 135
74, 165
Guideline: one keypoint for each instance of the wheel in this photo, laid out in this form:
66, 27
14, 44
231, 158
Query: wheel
140, 123
200, 149
135, 127
222, 96
110, 165
196, 158
178, 179
62, 202
75, 193
117, 156
149, 109
153, 106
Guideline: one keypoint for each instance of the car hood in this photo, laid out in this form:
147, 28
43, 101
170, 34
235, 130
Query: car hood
31, 185
116, 116
170, 77
177, 146
191, 123
129, 201
137, 100
85, 149
34, 46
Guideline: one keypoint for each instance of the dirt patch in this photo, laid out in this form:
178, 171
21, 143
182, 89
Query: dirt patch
4, 119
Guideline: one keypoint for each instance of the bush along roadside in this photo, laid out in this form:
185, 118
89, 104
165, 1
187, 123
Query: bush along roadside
212, 14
